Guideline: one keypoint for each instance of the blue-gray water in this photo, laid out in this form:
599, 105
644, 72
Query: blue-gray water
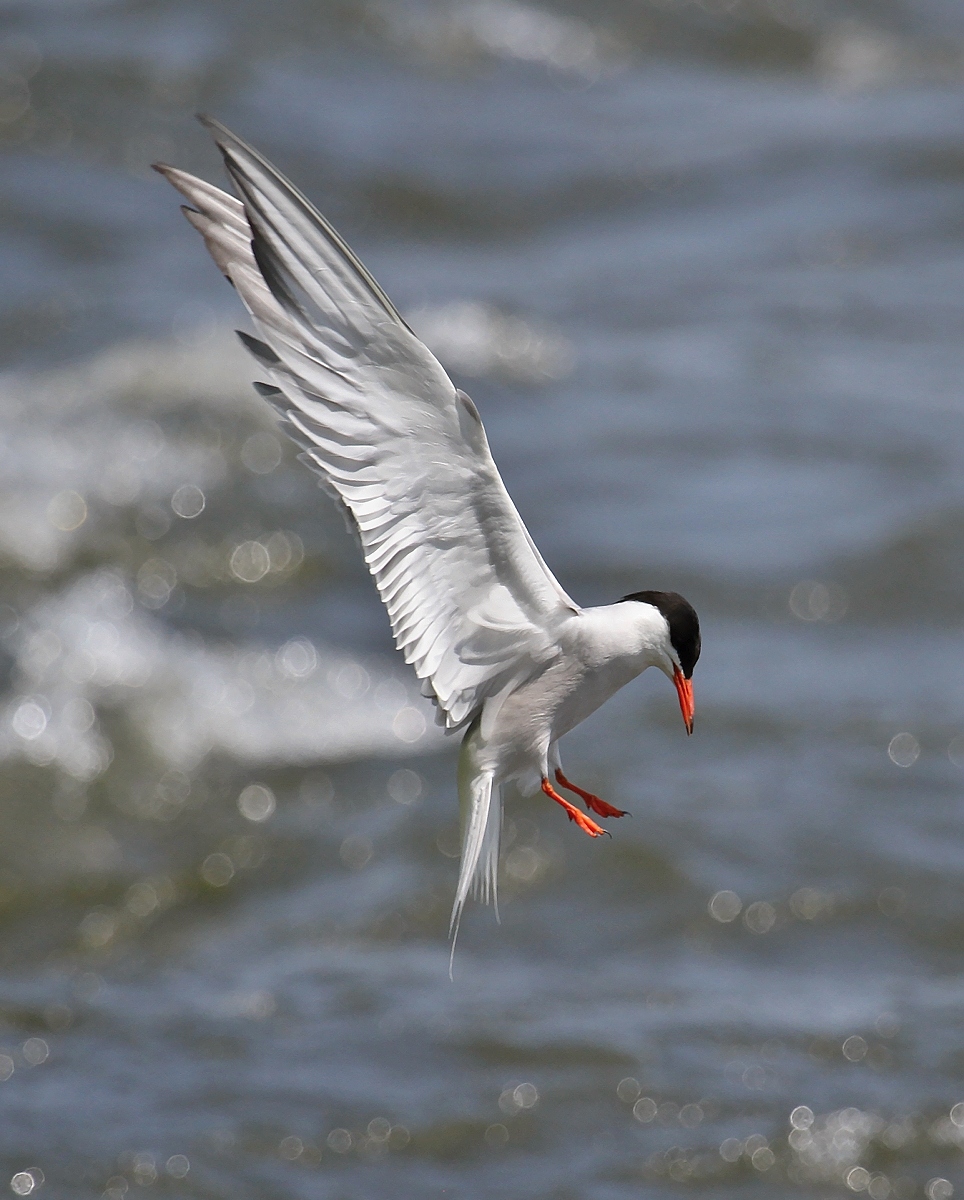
701, 266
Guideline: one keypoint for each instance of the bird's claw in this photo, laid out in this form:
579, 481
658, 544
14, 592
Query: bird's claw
592, 802
586, 824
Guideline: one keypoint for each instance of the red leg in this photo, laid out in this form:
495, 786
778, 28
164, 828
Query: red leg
592, 802
586, 824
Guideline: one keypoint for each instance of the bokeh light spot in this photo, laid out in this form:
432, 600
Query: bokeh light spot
725, 906
903, 750
351, 681
811, 600
261, 453
67, 511
97, 929
854, 1048
145, 1169
188, 501
250, 562
760, 917
29, 720
257, 802
938, 1189
156, 579
404, 786
35, 1051
763, 1158
177, 1166
297, 659
409, 725
217, 870
340, 1140
524, 863
808, 904
379, 1128
496, 1135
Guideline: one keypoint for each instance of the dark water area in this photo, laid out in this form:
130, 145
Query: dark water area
701, 267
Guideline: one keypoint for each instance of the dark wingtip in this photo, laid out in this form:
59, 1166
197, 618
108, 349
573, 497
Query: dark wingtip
267, 390
162, 168
214, 127
228, 143
261, 350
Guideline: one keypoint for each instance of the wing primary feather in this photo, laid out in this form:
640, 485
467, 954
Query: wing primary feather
261, 350
205, 197
277, 284
227, 141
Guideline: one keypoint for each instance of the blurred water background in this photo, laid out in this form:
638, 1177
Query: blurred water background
701, 266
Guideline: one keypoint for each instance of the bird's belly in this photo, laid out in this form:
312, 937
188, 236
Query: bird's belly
517, 742
540, 712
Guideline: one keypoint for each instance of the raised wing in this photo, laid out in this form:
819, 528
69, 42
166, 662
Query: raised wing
472, 604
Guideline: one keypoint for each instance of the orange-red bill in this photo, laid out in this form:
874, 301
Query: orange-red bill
684, 689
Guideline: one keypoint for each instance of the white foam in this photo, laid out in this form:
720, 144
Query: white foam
81, 442
88, 429
91, 648
477, 339
502, 29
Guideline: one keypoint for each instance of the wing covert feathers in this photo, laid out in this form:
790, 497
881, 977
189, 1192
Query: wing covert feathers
473, 607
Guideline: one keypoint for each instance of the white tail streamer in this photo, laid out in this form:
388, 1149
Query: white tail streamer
480, 812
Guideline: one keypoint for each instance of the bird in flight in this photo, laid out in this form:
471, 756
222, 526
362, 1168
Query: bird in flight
500, 648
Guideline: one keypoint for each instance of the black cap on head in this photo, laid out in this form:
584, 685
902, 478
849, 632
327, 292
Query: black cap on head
684, 625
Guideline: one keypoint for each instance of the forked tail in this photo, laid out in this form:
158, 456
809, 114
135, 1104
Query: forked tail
480, 813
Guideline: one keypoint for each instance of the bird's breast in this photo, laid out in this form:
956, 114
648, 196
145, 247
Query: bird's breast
599, 659
592, 689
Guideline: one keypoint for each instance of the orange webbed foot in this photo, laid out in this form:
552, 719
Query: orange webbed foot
586, 824
592, 802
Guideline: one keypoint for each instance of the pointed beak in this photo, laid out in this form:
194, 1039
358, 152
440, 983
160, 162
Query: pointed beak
684, 689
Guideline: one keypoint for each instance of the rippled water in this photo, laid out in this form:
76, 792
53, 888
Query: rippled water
702, 268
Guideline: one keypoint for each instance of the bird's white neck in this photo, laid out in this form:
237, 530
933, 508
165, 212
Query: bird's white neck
603, 650
630, 633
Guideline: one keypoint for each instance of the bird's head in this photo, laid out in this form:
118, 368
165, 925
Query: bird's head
678, 648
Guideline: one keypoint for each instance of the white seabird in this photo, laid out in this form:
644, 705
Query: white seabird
499, 647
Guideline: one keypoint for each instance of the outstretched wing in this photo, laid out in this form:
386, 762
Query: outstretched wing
472, 604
